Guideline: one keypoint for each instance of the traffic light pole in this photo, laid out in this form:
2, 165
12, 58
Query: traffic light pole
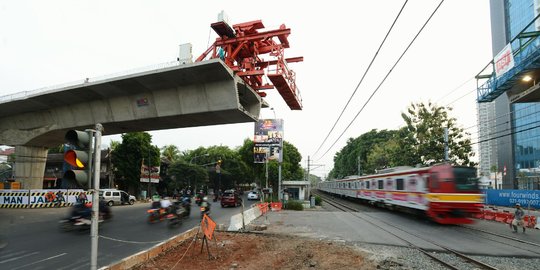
95, 197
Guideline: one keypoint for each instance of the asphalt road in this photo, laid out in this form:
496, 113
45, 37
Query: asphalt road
31, 238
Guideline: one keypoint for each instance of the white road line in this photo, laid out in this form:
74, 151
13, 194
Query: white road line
20, 257
46, 259
12, 254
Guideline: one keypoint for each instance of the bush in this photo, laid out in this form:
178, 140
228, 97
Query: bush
294, 205
318, 200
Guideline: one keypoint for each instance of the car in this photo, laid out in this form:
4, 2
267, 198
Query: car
253, 195
230, 198
115, 196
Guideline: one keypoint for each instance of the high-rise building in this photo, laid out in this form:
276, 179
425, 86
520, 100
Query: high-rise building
512, 87
487, 148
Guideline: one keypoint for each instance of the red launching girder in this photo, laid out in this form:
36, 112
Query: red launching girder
241, 48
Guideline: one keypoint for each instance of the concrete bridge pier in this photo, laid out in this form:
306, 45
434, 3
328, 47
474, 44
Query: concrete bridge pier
30, 165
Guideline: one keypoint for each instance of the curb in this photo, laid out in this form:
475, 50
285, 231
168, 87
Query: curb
152, 252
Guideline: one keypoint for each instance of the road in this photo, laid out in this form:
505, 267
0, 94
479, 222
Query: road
34, 240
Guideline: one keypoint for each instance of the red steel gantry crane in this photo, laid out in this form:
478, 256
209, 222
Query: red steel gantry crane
241, 48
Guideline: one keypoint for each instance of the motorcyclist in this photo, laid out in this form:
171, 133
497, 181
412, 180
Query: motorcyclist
165, 205
186, 203
155, 201
205, 206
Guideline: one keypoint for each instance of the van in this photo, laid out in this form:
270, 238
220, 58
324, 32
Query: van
115, 196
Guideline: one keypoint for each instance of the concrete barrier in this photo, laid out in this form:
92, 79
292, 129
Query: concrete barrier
249, 215
152, 252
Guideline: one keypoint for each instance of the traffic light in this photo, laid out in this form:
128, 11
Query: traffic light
80, 159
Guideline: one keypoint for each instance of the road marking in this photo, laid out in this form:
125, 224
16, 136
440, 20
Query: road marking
12, 254
46, 259
20, 257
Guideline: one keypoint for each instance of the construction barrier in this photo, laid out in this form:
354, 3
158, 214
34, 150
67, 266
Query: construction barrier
40, 198
489, 215
263, 207
276, 206
505, 217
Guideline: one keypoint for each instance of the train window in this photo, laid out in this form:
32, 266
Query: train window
465, 178
380, 184
367, 184
399, 184
434, 181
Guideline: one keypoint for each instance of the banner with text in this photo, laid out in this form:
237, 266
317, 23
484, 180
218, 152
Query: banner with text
154, 174
509, 197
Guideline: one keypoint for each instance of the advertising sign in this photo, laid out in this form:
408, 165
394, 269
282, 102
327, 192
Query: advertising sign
509, 197
154, 174
268, 140
504, 61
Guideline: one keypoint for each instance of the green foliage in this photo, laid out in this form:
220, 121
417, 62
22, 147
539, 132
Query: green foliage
346, 160
318, 200
183, 174
56, 149
170, 152
294, 205
128, 156
426, 124
421, 141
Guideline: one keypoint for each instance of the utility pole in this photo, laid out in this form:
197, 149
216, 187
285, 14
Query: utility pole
446, 144
95, 198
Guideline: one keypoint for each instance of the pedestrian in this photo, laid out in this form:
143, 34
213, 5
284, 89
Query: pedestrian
82, 197
518, 219
285, 199
59, 198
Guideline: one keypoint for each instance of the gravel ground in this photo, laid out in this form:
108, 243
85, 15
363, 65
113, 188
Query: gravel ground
391, 257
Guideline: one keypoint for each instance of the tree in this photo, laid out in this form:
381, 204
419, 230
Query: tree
425, 124
128, 157
185, 175
170, 152
357, 150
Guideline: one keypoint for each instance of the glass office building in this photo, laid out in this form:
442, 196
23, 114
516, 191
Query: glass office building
517, 120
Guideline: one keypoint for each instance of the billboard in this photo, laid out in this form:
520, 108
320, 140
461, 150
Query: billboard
509, 197
268, 140
154, 174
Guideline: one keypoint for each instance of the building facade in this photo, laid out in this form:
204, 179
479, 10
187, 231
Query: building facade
514, 131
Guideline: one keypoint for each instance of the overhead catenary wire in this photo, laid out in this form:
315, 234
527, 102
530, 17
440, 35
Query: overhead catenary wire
383, 80
363, 76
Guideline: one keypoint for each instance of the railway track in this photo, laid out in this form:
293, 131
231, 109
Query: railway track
450, 259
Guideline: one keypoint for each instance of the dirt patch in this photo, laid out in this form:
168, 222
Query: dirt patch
260, 251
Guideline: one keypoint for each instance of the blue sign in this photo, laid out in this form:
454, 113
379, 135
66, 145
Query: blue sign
509, 197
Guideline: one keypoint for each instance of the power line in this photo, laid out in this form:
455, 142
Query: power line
362, 79
384, 79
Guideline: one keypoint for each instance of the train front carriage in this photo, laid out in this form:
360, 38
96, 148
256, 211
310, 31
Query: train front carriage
453, 194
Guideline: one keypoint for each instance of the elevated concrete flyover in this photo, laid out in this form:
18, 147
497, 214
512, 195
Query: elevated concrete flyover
170, 96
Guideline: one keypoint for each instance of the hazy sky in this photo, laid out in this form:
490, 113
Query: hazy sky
44, 43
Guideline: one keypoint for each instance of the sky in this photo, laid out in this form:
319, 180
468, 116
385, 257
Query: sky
47, 43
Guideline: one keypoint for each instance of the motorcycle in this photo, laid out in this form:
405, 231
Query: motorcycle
179, 212
80, 217
156, 215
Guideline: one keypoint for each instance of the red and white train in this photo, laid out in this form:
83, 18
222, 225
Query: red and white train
447, 194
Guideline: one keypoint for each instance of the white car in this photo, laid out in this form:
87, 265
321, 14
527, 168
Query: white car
253, 195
